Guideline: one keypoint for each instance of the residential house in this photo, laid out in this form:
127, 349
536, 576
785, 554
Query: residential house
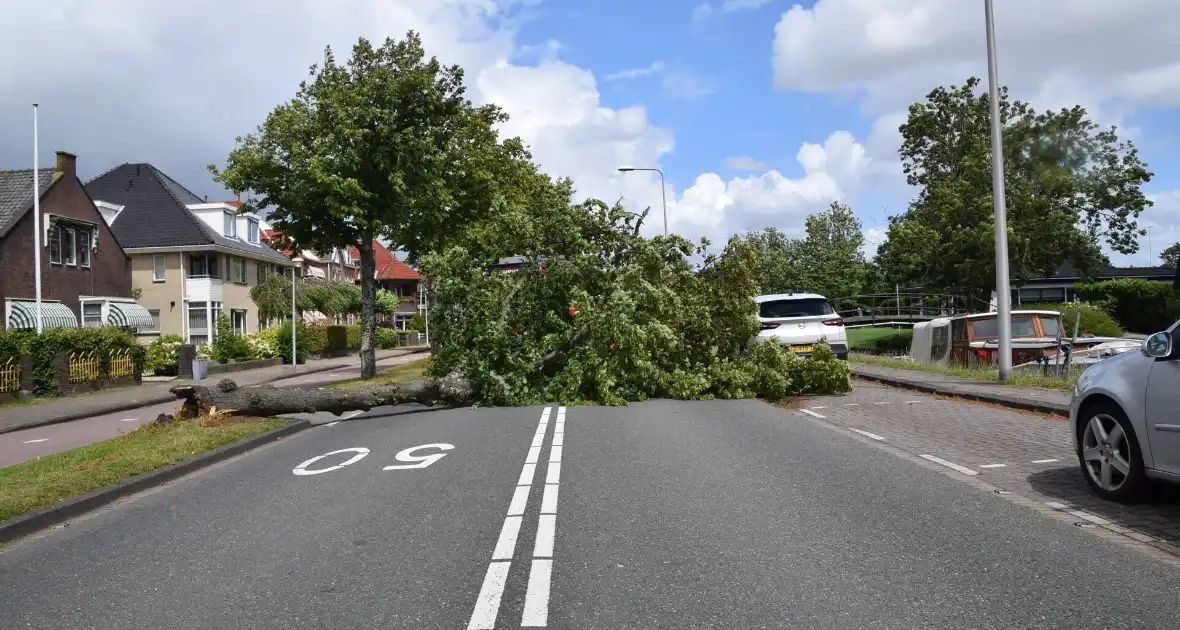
85, 272
192, 259
333, 265
399, 279
1059, 285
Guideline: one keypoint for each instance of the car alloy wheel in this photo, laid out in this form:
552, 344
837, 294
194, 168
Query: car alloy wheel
1106, 452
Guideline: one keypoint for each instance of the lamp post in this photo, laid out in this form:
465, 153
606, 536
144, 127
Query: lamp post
663, 192
294, 349
1003, 294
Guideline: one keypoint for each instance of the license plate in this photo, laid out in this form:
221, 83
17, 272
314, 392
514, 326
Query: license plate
802, 348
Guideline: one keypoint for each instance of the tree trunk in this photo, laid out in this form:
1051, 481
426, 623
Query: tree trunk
368, 306
267, 401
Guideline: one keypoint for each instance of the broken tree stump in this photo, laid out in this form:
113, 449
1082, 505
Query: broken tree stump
266, 400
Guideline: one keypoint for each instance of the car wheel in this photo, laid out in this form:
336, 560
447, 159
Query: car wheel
1109, 453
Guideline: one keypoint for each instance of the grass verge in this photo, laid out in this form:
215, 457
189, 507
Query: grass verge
396, 374
26, 402
1018, 379
41, 483
870, 337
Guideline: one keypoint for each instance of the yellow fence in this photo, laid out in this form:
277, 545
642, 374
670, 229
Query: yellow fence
120, 364
83, 367
10, 376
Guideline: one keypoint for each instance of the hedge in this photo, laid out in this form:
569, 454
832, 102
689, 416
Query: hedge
1139, 305
1094, 319
384, 338
45, 348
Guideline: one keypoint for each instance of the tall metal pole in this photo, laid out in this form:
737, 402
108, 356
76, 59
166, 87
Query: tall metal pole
294, 351
1003, 294
663, 190
36, 223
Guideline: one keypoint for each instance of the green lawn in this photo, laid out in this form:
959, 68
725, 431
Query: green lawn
870, 337
396, 374
42, 482
1019, 379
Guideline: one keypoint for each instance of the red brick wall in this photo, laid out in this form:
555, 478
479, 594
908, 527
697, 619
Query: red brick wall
109, 273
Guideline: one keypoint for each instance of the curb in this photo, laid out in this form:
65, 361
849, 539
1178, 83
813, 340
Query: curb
1005, 401
67, 509
130, 406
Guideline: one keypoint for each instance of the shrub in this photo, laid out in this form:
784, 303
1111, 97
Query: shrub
228, 346
337, 338
163, 355
264, 344
354, 336
316, 336
418, 321
45, 348
1139, 305
283, 342
1094, 319
384, 338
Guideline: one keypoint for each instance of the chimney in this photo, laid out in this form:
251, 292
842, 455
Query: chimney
67, 164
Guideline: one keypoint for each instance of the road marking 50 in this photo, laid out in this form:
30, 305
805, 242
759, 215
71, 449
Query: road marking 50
360, 452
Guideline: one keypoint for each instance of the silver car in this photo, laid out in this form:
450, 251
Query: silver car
1125, 417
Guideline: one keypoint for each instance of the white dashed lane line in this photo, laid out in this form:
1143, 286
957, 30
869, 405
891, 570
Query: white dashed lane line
36, 441
951, 465
872, 436
1044, 461
812, 413
993, 465
129, 419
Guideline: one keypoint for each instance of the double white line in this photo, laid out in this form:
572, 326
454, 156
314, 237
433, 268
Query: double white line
536, 601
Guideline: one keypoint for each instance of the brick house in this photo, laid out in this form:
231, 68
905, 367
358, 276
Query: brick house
399, 279
85, 272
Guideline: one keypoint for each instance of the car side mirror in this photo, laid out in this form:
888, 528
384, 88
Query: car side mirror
1158, 346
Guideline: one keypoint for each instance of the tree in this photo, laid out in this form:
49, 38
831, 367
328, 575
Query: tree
832, 253
779, 268
385, 145
1171, 256
1061, 172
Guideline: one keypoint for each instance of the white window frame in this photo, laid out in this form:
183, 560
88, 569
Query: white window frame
252, 230
235, 265
83, 249
85, 318
230, 225
155, 313
54, 235
233, 320
69, 255
159, 267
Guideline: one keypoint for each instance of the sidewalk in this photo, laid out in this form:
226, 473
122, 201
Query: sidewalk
19, 417
1042, 400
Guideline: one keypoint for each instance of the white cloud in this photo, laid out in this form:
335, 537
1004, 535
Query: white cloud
686, 86
635, 73
706, 9
1162, 222
745, 163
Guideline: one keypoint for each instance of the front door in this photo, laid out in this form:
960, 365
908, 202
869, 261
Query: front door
1163, 411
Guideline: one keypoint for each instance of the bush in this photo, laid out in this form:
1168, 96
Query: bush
1139, 305
283, 341
1094, 319
418, 321
163, 355
354, 336
228, 346
384, 338
264, 344
316, 336
44, 348
337, 338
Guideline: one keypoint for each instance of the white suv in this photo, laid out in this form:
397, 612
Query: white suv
800, 320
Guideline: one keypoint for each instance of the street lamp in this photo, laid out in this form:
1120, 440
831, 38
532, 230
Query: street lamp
294, 349
663, 193
1003, 294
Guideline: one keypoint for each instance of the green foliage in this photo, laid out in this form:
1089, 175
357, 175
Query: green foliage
1170, 256
228, 346
45, 348
266, 342
317, 338
353, 336
828, 261
613, 318
342, 337
384, 338
283, 342
163, 354
386, 303
1139, 305
418, 321
1094, 318
1060, 170
333, 297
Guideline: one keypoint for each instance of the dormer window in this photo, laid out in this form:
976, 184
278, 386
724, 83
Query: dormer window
231, 225
252, 230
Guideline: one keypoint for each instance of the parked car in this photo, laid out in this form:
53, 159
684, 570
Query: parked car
1125, 418
800, 320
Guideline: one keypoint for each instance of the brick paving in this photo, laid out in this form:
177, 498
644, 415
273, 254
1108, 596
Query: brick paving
974, 435
1030, 398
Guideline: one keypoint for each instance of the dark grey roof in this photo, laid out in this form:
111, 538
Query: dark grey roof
1068, 271
155, 212
16, 194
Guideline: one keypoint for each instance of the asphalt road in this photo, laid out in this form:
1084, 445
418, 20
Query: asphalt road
19, 446
666, 515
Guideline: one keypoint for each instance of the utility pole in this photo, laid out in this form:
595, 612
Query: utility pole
1003, 293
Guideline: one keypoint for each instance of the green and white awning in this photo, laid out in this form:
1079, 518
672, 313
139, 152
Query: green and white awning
22, 315
130, 315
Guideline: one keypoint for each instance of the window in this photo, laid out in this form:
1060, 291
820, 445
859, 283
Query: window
55, 245
1050, 325
155, 313
1021, 327
252, 230
84, 238
202, 266
69, 254
198, 318
238, 266
795, 308
91, 314
939, 342
237, 317
158, 267
262, 269
231, 225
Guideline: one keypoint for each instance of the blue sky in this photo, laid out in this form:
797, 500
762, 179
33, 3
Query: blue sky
759, 111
